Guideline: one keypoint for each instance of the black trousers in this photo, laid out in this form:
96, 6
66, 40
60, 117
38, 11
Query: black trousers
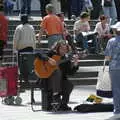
63, 86
2, 43
23, 63
117, 4
97, 8
43, 3
67, 88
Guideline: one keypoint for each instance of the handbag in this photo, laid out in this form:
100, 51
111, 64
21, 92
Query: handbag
103, 87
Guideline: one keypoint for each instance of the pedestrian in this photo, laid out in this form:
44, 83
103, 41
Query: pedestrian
52, 26
3, 31
109, 10
58, 82
117, 4
24, 41
25, 7
8, 4
97, 9
112, 54
77, 7
43, 3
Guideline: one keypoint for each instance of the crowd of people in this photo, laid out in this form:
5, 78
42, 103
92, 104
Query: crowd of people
107, 38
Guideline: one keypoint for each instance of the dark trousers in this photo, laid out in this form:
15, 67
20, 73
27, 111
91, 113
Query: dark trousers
61, 86
97, 8
54, 82
117, 4
77, 7
43, 3
67, 88
25, 5
2, 43
23, 63
66, 7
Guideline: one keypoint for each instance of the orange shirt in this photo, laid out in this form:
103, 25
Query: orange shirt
3, 28
52, 25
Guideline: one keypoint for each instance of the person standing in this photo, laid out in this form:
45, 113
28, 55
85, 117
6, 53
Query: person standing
43, 3
25, 7
117, 4
3, 31
112, 54
109, 10
52, 26
24, 41
77, 7
97, 8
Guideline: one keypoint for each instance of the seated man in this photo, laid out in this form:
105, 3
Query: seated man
60, 64
82, 25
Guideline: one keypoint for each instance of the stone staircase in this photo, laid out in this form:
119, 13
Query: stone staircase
88, 67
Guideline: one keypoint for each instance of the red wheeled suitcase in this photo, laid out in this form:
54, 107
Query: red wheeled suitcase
8, 81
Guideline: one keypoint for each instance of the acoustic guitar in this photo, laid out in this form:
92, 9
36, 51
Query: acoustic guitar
43, 69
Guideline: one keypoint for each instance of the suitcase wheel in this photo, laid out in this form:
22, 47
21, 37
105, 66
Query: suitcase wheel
55, 106
18, 100
9, 100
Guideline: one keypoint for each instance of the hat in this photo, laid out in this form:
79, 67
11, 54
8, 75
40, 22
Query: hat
116, 26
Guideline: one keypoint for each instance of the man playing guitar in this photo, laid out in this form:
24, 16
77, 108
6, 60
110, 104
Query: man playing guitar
59, 64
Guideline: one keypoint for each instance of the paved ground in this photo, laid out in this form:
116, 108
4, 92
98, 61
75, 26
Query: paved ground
24, 112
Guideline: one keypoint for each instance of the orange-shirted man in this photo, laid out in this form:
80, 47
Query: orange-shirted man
52, 26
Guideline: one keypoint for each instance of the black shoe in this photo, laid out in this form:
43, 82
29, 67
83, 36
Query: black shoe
64, 107
56, 98
56, 103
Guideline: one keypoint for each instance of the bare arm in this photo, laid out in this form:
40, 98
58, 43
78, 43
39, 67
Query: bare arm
108, 58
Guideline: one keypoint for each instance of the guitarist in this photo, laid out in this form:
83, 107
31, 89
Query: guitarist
59, 84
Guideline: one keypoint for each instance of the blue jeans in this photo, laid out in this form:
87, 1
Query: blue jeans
52, 39
115, 78
25, 5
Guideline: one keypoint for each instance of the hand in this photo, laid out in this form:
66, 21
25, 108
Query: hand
52, 61
75, 59
38, 37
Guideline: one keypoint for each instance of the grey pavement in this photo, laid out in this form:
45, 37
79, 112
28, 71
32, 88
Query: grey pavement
78, 96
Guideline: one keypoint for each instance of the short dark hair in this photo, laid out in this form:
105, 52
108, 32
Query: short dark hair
84, 15
102, 17
24, 19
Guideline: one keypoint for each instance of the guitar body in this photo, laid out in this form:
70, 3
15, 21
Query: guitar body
43, 69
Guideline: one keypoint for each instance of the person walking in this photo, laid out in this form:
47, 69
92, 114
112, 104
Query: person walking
112, 54
3, 31
52, 26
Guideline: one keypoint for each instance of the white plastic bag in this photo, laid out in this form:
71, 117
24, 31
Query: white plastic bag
103, 87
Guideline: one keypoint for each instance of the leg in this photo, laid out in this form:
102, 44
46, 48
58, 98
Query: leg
28, 7
23, 6
67, 88
115, 78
